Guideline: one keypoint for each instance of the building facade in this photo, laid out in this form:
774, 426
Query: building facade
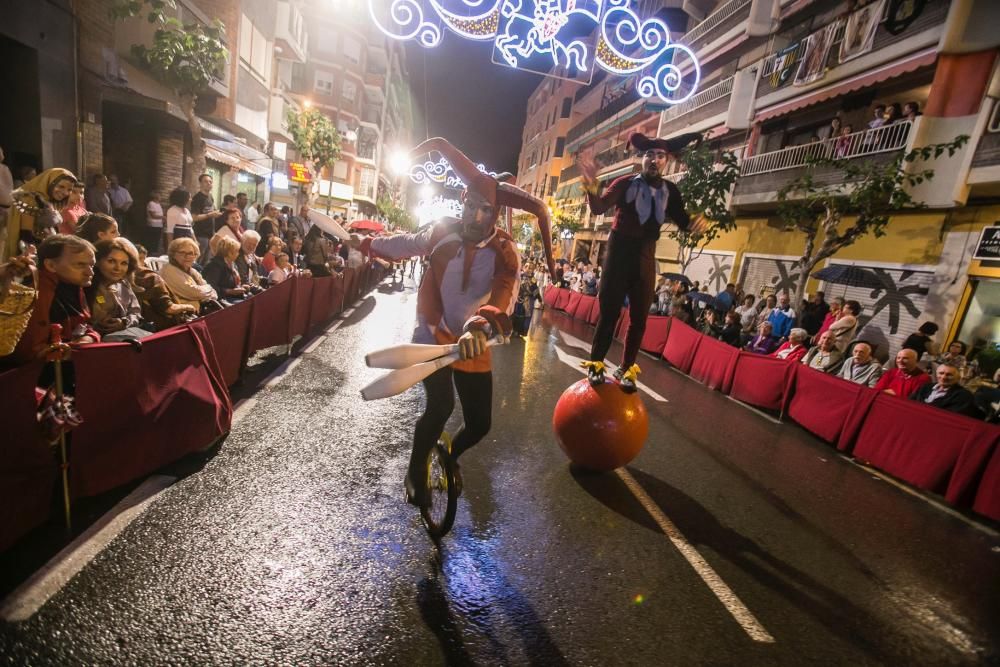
85, 104
779, 77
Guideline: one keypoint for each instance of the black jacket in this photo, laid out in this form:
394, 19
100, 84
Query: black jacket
220, 276
958, 399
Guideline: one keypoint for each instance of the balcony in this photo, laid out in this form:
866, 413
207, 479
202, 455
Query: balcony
569, 173
277, 115
372, 115
725, 17
290, 33
613, 108
764, 174
710, 101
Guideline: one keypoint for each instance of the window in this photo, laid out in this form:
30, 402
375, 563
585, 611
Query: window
246, 39
560, 147
566, 107
323, 83
349, 90
340, 170
352, 50
255, 50
553, 182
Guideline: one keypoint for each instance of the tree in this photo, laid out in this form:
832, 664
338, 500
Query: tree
867, 192
187, 57
395, 215
317, 142
705, 189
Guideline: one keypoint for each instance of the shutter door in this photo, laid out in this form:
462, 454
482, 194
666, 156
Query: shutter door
711, 270
891, 313
761, 276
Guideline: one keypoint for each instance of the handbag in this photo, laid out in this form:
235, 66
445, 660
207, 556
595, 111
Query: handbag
16, 305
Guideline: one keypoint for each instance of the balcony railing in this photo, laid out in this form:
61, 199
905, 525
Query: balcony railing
858, 144
714, 20
569, 173
614, 107
707, 96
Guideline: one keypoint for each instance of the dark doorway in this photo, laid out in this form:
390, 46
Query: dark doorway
21, 115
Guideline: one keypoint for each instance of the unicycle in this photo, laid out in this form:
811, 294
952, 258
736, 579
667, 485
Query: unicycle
440, 514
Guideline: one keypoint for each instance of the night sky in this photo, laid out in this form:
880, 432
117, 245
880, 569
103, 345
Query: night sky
477, 105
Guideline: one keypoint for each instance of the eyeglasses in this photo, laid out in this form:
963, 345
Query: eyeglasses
186, 253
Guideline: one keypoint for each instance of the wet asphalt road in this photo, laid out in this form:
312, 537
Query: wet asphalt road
293, 546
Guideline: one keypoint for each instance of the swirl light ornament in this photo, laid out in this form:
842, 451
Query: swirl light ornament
545, 36
441, 172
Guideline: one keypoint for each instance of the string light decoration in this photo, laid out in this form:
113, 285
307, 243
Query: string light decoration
546, 36
437, 207
430, 171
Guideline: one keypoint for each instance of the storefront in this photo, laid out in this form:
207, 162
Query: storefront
236, 168
979, 325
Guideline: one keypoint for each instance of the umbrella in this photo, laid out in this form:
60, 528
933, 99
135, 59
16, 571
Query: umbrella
702, 297
677, 276
371, 225
852, 276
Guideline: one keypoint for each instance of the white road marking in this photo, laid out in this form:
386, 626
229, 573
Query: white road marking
243, 408
726, 596
752, 409
29, 597
311, 347
574, 362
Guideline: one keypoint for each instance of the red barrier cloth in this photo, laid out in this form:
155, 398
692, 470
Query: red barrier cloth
828, 406
572, 302
987, 500
918, 443
584, 307
28, 469
562, 299
229, 330
349, 279
550, 296
714, 364
760, 380
654, 338
338, 297
269, 318
595, 312
145, 409
322, 300
301, 303
681, 346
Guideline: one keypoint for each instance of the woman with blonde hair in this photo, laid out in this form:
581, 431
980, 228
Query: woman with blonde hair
221, 272
182, 278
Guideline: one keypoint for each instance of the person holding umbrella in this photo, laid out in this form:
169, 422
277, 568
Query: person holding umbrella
644, 202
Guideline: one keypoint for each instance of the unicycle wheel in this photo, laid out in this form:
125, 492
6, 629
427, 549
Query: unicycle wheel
440, 514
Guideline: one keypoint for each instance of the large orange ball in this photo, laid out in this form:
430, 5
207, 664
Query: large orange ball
600, 428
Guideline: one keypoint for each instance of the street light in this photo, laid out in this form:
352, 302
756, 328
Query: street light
399, 161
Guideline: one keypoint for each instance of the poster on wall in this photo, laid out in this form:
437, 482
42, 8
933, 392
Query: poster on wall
988, 247
859, 31
815, 54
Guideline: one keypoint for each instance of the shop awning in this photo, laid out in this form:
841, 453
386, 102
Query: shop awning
908, 64
240, 156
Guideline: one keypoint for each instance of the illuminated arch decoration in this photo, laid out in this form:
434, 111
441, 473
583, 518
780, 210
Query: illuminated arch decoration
564, 38
430, 171
437, 207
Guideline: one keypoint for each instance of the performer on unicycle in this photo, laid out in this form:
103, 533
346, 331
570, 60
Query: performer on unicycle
466, 296
644, 202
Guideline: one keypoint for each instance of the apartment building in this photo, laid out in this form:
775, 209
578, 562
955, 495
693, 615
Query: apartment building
775, 74
358, 77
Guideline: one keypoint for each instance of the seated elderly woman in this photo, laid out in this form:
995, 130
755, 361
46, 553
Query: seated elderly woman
248, 263
183, 280
762, 343
115, 310
221, 273
158, 305
795, 347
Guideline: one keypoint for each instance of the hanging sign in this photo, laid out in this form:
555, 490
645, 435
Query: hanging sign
298, 172
988, 247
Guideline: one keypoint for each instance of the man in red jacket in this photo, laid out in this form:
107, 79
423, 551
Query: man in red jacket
644, 202
905, 378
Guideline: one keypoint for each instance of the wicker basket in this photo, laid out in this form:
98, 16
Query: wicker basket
15, 311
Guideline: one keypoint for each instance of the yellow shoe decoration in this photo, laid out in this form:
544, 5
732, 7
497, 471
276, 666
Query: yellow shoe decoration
632, 373
595, 372
597, 366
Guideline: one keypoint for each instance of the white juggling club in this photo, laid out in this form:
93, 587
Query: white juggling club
398, 381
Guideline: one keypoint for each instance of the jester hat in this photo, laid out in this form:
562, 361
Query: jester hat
672, 146
496, 191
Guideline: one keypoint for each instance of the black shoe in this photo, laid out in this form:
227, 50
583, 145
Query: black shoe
628, 378
595, 372
416, 493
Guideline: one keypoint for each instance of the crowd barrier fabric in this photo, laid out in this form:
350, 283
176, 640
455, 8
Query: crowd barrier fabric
301, 303
922, 445
145, 408
562, 298
714, 364
28, 468
572, 301
230, 329
269, 317
987, 494
681, 346
550, 295
654, 338
595, 312
761, 381
324, 300
827, 406
583, 308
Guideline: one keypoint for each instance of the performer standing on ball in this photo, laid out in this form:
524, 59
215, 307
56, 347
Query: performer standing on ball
644, 201
466, 296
